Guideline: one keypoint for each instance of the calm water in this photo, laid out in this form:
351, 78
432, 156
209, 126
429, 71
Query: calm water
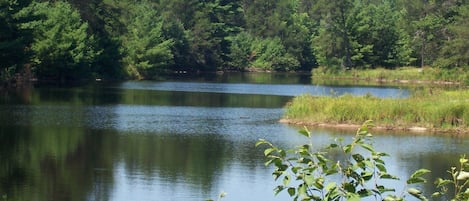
182, 139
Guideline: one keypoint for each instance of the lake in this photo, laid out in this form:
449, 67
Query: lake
178, 139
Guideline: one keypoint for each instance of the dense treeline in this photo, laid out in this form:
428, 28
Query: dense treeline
77, 39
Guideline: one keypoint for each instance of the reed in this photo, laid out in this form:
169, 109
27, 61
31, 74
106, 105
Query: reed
441, 110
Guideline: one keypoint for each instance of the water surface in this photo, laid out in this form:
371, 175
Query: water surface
180, 139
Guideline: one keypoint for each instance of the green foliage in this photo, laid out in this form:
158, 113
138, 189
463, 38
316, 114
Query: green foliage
426, 75
146, 51
455, 51
174, 30
270, 54
360, 34
333, 42
298, 39
459, 182
215, 22
60, 43
432, 109
241, 53
326, 46
344, 171
266, 54
11, 44
193, 35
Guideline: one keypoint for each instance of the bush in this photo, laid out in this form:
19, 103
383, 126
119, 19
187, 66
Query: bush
358, 173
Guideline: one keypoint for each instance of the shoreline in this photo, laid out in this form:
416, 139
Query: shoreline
384, 128
401, 75
397, 81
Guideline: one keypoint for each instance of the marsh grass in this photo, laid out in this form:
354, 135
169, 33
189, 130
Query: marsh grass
439, 111
403, 74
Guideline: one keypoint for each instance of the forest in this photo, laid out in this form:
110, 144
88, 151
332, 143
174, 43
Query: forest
143, 39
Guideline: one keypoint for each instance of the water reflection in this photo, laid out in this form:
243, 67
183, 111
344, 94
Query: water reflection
135, 141
264, 89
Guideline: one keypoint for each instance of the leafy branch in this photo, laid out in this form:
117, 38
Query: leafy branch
355, 171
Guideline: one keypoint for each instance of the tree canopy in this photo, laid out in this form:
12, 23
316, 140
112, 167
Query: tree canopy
143, 39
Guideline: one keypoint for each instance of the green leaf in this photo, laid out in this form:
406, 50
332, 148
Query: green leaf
381, 154
416, 180
353, 197
305, 132
419, 173
277, 174
278, 189
331, 186
349, 187
278, 162
442, 182
286, 180
321, 158
282, 167
358, 157
291, 191
304, 160
367, 147
267, 163
381, 168
295, 169
268, 151
302, 190
369, 164
391, 198
388, 176
260, 142
309, 179
463, 160
282, 153
364, 193
379, 161
437, 194
416, 193
383, 189
348, 148
367, 175
319, 183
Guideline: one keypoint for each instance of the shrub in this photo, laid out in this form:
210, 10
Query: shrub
358, 173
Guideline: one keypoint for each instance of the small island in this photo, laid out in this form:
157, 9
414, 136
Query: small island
431, 106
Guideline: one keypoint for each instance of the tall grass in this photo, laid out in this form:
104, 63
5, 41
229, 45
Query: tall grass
439, 110
409, 74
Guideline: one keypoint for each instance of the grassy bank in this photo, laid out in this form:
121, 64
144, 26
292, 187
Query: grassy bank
402, 75
439, 110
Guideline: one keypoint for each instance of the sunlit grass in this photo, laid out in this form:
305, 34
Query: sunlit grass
403, 74
437, 110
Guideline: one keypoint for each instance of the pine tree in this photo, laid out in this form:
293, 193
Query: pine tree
455, 52
61, 46
146, 50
